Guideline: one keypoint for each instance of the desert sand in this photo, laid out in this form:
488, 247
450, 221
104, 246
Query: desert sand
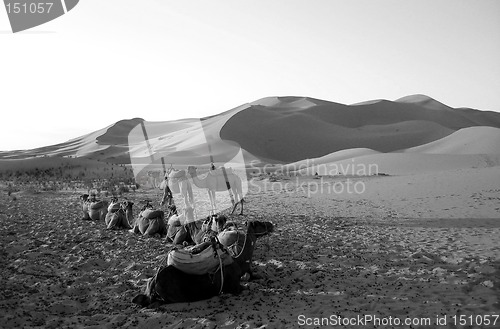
415, 246
401, 222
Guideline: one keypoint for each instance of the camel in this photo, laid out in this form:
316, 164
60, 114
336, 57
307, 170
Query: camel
195, 232
185, 230
93, 208
153, 177
177, 183
119, 215
215, 181
236, 242
149, 221
171, 285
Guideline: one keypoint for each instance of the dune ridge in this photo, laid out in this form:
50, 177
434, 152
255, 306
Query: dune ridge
472, 140
282, 129
292, 129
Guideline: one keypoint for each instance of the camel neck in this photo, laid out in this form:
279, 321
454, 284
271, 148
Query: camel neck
248, 246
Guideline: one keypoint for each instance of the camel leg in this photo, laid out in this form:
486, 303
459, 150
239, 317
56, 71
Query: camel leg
236, 205
238, 198
124, 222
190, 194
241, 203
211, 195
112, 221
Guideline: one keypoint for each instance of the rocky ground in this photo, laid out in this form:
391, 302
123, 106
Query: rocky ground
58, 271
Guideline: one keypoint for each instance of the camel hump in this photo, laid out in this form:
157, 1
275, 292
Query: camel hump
152, 214
200, 263
176, 174
220, 172
97, 205
229, 237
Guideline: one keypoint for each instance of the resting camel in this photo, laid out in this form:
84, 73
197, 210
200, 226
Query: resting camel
178, 183
215, 181
119, 215
235, 241
171, 285
149, 221
195, 232
93, 208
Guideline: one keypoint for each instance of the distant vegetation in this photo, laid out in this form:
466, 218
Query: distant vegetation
57, 173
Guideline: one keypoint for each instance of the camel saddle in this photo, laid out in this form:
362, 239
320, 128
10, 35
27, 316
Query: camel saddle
152, 214
206, 261
96, 205
114, 207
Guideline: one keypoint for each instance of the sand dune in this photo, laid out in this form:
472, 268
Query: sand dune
274, 130
289, 102
327, 159
289, 137
289, 129
473, 140
401, 164
474, 147
424, 101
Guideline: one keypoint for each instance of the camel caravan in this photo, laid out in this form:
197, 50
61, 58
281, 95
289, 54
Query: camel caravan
210, 256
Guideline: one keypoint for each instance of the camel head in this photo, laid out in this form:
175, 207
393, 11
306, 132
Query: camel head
192, 170
148, 297
92, 197
127, 205
172, 210
219, 223
84, 197
260, 228
216, 223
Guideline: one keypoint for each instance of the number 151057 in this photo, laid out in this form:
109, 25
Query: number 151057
477, 320
31, 8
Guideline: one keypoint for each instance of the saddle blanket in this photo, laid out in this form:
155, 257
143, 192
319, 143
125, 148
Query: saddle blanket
204, 262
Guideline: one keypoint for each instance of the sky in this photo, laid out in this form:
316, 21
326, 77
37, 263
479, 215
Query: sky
163, 60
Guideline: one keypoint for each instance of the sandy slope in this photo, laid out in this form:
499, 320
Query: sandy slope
408, 246
290, 129
290, 137
327, 159
473, 147
473, 140
402, 163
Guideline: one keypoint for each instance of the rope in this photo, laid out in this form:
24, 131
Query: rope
221, 273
